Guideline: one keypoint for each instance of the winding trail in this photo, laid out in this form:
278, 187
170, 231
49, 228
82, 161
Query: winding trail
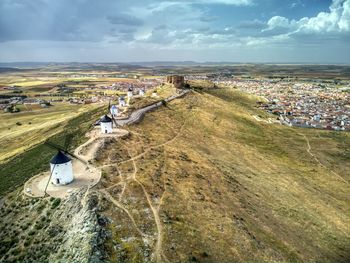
158, 254
156, 146
308, 149
118, 204
158, 248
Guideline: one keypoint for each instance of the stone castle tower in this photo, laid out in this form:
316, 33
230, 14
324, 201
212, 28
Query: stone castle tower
178, 81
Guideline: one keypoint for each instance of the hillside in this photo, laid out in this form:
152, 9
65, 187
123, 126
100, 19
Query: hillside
227, 188
201, 180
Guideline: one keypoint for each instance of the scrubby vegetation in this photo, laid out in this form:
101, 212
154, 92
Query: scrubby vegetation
44, 230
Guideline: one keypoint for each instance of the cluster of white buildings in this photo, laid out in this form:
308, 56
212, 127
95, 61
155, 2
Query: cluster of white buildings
135, 85
301, 104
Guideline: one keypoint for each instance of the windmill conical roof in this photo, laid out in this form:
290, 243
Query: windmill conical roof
59, 158
105, 119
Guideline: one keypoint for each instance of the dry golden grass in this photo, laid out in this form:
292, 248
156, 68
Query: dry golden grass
229, 188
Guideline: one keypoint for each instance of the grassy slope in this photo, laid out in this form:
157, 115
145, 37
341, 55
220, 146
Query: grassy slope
17, 170
230, 188
36, 126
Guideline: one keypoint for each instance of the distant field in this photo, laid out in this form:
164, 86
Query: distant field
37, 80
36, 126
30, 161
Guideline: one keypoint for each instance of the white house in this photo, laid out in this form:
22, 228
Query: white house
114, 110
106, 124
61, 169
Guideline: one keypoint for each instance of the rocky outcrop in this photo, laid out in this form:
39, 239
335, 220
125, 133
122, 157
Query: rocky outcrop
52, 229
85, 233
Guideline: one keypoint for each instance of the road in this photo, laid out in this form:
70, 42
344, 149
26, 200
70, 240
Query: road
137, 115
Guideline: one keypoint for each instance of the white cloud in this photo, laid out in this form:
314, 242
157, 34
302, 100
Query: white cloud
337, 20
278, 21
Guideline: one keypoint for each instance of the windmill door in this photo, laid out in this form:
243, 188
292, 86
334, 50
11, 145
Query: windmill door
57, 181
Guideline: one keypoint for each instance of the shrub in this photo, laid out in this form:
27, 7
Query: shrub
24, 226
39, 226
55, 203
26, 243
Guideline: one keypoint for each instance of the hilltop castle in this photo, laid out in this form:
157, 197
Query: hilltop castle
178, 81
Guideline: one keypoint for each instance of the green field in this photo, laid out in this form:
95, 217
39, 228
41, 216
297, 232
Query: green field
35, 125
31, 160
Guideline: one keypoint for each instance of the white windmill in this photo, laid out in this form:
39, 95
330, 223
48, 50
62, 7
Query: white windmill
142, 92
129, 94
61, 168
106, 123
122, 102
114, 111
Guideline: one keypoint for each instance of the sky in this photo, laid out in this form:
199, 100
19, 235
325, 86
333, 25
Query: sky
276, 31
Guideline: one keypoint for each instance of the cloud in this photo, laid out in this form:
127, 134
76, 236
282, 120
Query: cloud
221, 31
209, 18
337, 20
172, 25
224, 2
252, 24
208, 2
51, 20
278, 21
124, 19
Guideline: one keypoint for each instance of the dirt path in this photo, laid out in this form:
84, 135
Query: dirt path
89, 155
118, 204
85, 174
158, 254
308, 149
155, 147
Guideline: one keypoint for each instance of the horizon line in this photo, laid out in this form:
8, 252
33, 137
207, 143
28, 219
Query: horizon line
177, 61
